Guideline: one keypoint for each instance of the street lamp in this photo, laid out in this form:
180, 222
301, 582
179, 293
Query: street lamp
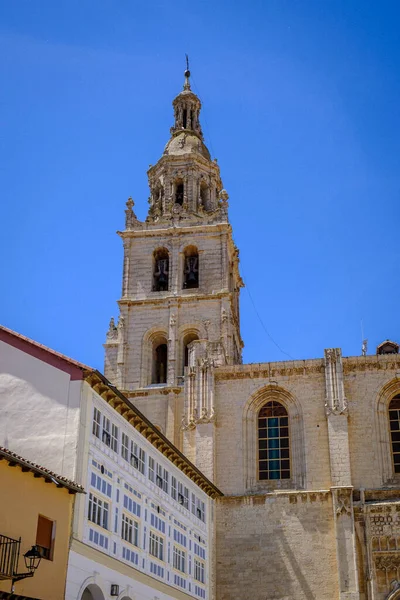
32, 560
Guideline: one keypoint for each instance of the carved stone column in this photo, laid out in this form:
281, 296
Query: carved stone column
120, 383
345, 542
337, 416
172, 346
342, 491
199, 415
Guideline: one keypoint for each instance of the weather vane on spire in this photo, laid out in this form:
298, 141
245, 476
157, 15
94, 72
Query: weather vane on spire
187, 75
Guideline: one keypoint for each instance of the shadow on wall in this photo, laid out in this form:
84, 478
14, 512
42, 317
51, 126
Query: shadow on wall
266, 550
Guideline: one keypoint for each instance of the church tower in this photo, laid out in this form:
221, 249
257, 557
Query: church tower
181, 282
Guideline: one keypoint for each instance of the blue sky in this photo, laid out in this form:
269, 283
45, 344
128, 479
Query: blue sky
301, 108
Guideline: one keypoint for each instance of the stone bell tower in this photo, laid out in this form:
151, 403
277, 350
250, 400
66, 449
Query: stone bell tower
181, 281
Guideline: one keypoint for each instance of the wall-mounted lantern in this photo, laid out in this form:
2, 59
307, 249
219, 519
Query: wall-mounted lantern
32, 560
114, 589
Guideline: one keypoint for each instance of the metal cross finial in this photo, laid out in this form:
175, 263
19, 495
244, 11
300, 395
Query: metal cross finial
187, 75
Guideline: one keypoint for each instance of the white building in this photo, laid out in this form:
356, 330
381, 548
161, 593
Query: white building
144, 529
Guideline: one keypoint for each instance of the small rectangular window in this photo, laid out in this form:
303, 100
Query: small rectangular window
151, 469
98, 511
125, 447
130, 530
156, 546
199, 571
96, 422
45, 537
114, 437
138, 457
173, 488
106, 435
179, 559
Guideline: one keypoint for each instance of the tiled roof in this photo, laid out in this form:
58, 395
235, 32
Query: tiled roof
132, 414
14, 459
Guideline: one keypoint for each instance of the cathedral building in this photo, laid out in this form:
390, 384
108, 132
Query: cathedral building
306, 452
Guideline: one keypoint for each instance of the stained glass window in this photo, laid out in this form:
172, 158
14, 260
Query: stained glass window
273, 442
394, 417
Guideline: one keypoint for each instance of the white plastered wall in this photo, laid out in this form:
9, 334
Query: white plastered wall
40, 408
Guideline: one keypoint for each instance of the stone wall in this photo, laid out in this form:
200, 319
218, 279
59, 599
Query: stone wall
276, 547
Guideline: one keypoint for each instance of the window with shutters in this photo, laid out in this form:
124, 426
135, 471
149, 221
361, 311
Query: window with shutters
45, 537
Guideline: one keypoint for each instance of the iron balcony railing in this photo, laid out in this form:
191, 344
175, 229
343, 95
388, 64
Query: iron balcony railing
9, 555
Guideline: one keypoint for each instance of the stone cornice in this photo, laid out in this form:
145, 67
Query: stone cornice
175, 300
187, 159
390, 362
174, 229
270, 370
126, 409
374, 362
153, 391
294, 497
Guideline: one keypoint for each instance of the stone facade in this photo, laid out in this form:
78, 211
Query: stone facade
325, 529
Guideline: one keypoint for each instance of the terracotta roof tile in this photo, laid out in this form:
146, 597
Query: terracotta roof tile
58, 480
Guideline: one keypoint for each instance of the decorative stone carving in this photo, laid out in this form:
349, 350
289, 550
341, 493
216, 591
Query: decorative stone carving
121, 323
335, 399
130, 217
223, 199
199, 393
342, 501
112, 333
388, 562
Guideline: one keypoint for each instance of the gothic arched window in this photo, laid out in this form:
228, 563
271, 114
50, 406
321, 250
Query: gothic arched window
394, 417
273, 442
191, 268
160, 362
160, 270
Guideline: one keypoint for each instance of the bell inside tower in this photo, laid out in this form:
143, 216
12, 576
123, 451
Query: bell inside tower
191, 268
161, 270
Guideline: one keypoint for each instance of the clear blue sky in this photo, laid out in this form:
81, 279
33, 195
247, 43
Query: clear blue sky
300, 106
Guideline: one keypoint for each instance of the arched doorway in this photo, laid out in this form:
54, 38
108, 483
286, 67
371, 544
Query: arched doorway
92, 592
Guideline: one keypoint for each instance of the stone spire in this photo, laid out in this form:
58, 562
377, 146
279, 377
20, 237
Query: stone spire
185, 183
187, 108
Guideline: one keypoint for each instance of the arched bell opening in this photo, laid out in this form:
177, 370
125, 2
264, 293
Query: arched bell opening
190, 268
160, 361
204, 195
179, 192
160, 270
